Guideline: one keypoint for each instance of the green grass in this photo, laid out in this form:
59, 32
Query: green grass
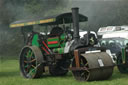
10, 75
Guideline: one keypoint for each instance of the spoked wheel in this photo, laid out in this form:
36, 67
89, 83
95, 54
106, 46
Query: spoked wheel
31, 62
60, 69
122, 67
81, 75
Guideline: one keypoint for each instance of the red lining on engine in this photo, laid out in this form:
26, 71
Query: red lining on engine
53, 42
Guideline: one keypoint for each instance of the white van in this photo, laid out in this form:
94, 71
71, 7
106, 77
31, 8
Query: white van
111, 29
117, 34
108, 29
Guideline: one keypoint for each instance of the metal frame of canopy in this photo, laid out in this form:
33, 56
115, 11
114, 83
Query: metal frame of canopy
63, 18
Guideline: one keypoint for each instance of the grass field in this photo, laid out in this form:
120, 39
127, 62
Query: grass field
10, 75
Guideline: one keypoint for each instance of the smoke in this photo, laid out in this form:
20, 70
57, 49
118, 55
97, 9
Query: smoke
102, 12
11, 40
99, 12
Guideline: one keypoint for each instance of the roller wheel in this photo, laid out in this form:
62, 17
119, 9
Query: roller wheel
31, 62
122, 68
60, 69
81, 75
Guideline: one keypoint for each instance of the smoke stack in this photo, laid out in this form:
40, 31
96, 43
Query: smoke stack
75, 16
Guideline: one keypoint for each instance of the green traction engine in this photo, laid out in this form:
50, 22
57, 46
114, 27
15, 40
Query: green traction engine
62, 49
122, 60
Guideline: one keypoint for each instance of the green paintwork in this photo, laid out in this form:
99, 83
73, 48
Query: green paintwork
26, 66
28, 54
35, 40
123, 55
62, 42
53, 45
53, 39
32, 72
59, 50
62, 37
122, 60
34, 22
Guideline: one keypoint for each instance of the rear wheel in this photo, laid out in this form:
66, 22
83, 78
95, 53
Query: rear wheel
31, 62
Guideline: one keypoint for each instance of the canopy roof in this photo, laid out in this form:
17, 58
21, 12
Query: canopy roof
53, 20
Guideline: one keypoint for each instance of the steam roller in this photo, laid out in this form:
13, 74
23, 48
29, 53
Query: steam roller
92, 66
62, 49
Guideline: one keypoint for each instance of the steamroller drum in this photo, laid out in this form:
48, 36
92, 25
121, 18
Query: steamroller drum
60, 69
122, 68
31, 62
98, 66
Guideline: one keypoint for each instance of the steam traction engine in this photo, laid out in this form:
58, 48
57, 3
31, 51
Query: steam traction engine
63, 49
